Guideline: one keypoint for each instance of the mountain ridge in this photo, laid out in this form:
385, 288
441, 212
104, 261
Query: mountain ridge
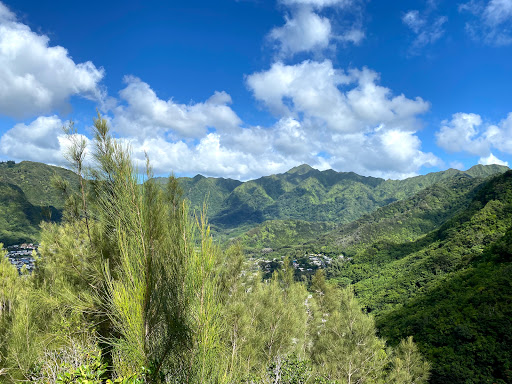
302, 193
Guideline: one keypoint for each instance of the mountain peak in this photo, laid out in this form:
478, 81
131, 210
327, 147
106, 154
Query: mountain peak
300, 169
480, 170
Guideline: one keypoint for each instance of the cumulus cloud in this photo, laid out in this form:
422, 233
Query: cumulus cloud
372, 132
390, 153
42, 140
461, 134
325, 117
208, 157
491, 159
35, 77
305, 31
466, 132
368, 129
426, 27
492, 21
144, 114
344, 101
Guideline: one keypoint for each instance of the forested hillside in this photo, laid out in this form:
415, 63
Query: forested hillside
34, 179
403, 220
449, 288
427, 257
19, 219
200, 190
435, 266
28, 197
303, 194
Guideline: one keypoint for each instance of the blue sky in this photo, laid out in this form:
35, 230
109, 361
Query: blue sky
248, 88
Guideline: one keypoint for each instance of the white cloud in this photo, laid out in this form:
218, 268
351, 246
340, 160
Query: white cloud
389, 154
498, 12
354, 36
36, 78
466, 132
147, 115
413, 20
42, 140
208, 157
305, 31
460, 134
491, 159
427, 28
326, 118
493, 24
347, 116
315, 90
5, 14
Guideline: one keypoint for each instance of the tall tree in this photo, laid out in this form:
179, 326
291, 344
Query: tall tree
160, 281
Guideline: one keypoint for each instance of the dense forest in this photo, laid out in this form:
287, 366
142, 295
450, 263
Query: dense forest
132, 285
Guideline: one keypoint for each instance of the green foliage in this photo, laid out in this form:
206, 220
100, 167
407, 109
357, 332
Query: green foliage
34, 179
288, 370
462, 323
19, 219
95, 372
407, 365
283, 237
200, 189
131, 288
345, 347
450, 288
160, 282
267, 319
304, 193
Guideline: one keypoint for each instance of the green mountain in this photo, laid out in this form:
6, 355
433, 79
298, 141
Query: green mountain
281, 237
429, 256
304, 193
19, 219
34, 179
449, 287
27, 197
438, 198
210, 190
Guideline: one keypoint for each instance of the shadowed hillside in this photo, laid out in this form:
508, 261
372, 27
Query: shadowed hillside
449, 288
35, 181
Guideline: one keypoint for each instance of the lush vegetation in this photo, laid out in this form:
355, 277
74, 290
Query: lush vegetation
34, 179
450, 287
19, 219
28, 197
281, 237
200, 189
304, 193
130, 288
